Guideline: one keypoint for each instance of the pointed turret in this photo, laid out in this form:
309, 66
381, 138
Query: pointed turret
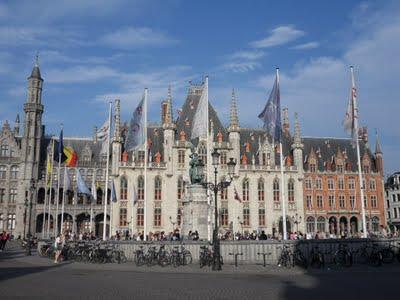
378, 155
36, 70
297, 146
116, 140
285, 121
16, 125
117, 124
233, 116
167, 115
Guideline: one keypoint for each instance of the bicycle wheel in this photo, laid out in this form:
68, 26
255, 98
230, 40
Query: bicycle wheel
387, 256
375, 259
317, 261
123, 257
300, 260
187, 258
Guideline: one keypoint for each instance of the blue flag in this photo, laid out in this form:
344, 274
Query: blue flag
135, 137
113, 193
82, 188
271, 115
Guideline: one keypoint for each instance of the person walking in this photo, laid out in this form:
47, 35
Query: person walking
3, 241
59, 246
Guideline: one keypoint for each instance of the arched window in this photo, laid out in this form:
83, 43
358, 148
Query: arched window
157, 188
41, 196
11, 221
123, 188
321, 224
224, 192
261, 194
203, 153
14, 172
180, 188
375, 224
140, 187
140, 217
310, 224
245, 189
275, 190
3, 172
291, 190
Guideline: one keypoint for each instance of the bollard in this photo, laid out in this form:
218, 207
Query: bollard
236, 257
264, 254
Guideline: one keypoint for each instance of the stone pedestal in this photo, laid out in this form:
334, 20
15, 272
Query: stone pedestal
195, 211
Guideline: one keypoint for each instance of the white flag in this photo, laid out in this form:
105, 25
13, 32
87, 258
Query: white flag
199, 126
350, 121
94, 190
102, 136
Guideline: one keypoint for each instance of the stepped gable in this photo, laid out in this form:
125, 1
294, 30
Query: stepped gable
185, 118
327, 147
252, 136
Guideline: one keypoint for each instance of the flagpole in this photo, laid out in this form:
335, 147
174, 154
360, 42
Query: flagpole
208, 162
106, 184
51, 189
45, 196
355, 116
94, 193
145, 167
282, 175
58, 184
63, 199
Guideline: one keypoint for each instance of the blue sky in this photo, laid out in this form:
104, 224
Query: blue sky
92, 52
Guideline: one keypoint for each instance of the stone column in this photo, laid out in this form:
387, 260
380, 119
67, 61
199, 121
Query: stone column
195, 209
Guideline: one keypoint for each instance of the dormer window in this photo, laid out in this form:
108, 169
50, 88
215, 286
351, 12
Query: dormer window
312, 167
366, 168
4, 150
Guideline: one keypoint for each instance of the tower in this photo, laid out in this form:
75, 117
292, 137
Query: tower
16, 125
285, 121
233, 129
169, 132
30, 146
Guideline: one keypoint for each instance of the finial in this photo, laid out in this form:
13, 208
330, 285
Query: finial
378, 148
37, 59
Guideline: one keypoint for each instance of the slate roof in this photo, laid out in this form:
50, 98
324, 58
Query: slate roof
187, 114
327, 147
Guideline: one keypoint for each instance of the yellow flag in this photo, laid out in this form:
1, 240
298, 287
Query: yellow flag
49, 169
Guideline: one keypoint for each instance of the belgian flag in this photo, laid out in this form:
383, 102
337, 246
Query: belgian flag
67, 154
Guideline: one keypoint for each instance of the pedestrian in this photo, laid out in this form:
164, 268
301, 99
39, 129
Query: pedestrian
3, 241
58, 244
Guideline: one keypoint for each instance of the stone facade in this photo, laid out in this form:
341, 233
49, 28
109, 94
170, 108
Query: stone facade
252, 202
392, 195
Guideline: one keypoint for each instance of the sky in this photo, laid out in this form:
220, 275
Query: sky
92, 52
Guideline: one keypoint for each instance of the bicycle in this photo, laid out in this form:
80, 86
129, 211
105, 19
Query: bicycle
317, 259
343, 256
286, 257
139, 257
370, 255
181, 257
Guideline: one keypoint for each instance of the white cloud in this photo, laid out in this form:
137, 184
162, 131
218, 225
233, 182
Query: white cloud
80, 74
306, 46
130, 37
241, 66
247, 54
279, 36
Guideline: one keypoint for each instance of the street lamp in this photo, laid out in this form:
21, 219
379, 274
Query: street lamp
215, 187
32, 190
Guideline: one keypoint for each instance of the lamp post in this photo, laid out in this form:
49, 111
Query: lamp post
215, 187
32, 190
25, 212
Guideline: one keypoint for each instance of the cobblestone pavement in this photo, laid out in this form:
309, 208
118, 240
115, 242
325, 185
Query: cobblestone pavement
33, 276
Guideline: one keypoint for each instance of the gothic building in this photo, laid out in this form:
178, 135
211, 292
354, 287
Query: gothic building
316, 169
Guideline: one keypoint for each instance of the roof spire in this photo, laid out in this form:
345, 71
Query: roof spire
233, 116
168, 119
285, 121
297, 134
36, 71
378, 149
117, 126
